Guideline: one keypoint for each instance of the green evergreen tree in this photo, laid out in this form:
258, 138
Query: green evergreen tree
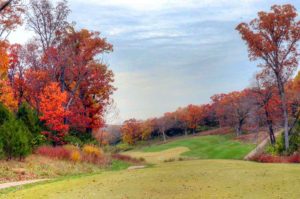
16, 139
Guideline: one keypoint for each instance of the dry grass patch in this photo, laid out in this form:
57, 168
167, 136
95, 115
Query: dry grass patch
36, 167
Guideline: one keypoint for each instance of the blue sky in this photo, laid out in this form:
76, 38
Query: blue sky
170, 53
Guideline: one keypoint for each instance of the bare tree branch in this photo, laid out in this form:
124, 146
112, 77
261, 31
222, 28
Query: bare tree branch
4, 5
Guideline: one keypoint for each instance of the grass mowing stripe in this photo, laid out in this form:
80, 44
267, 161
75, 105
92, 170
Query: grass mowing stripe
207, 147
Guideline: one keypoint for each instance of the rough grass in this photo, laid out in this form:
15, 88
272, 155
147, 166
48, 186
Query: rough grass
203, 147
178, 180
38, 167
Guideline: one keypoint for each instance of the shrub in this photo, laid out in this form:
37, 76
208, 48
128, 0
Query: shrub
92, 150
71, 147
170, 160
16, 139
295, 158
83, 136
1, 150
38, 140
54, 152
294, 140
278, 148
73, 140
123, 147
267, 158
29, 118
75, 156
127, 158
5, 115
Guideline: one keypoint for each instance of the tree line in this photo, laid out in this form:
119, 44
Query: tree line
58, 73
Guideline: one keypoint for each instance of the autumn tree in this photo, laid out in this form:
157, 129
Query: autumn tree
102, 137
69, 57
268, 102
10, 17
47, 21
272, 38
131, 131
53, 112
182, 115
233, 108
7, 95
194, 115
293, 93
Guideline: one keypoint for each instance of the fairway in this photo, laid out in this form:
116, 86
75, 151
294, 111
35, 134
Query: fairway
203, 147
185, 179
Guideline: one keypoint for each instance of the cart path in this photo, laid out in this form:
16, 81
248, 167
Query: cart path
20, 183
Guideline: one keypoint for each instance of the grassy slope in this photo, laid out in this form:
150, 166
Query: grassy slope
208, 147
186, 179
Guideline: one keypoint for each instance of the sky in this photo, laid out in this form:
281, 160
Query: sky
169, 53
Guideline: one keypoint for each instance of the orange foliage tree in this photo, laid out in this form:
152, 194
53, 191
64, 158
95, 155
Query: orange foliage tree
53, 112
268, 103
233, 108
131, 131
272, 38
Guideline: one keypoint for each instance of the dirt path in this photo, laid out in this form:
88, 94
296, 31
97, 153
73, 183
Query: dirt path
260, 148
15, 184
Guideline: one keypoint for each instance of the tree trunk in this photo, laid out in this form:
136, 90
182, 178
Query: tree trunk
185, 132
285, 113
239, 128
270, 126
164, 136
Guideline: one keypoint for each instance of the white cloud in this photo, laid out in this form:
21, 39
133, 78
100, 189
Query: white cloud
144, 5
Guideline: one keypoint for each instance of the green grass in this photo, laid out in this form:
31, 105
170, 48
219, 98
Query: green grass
207, 147
186, 179
119, 165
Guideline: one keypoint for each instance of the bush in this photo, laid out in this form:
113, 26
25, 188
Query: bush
89, 154
294, 140
94, 155
127, 158
5, 115
75, 156
84, 137
92, 150
54, 152
73, 140
1, 150
267, 158
278, 148
16, 139
123, 147
38, 140
30, 118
